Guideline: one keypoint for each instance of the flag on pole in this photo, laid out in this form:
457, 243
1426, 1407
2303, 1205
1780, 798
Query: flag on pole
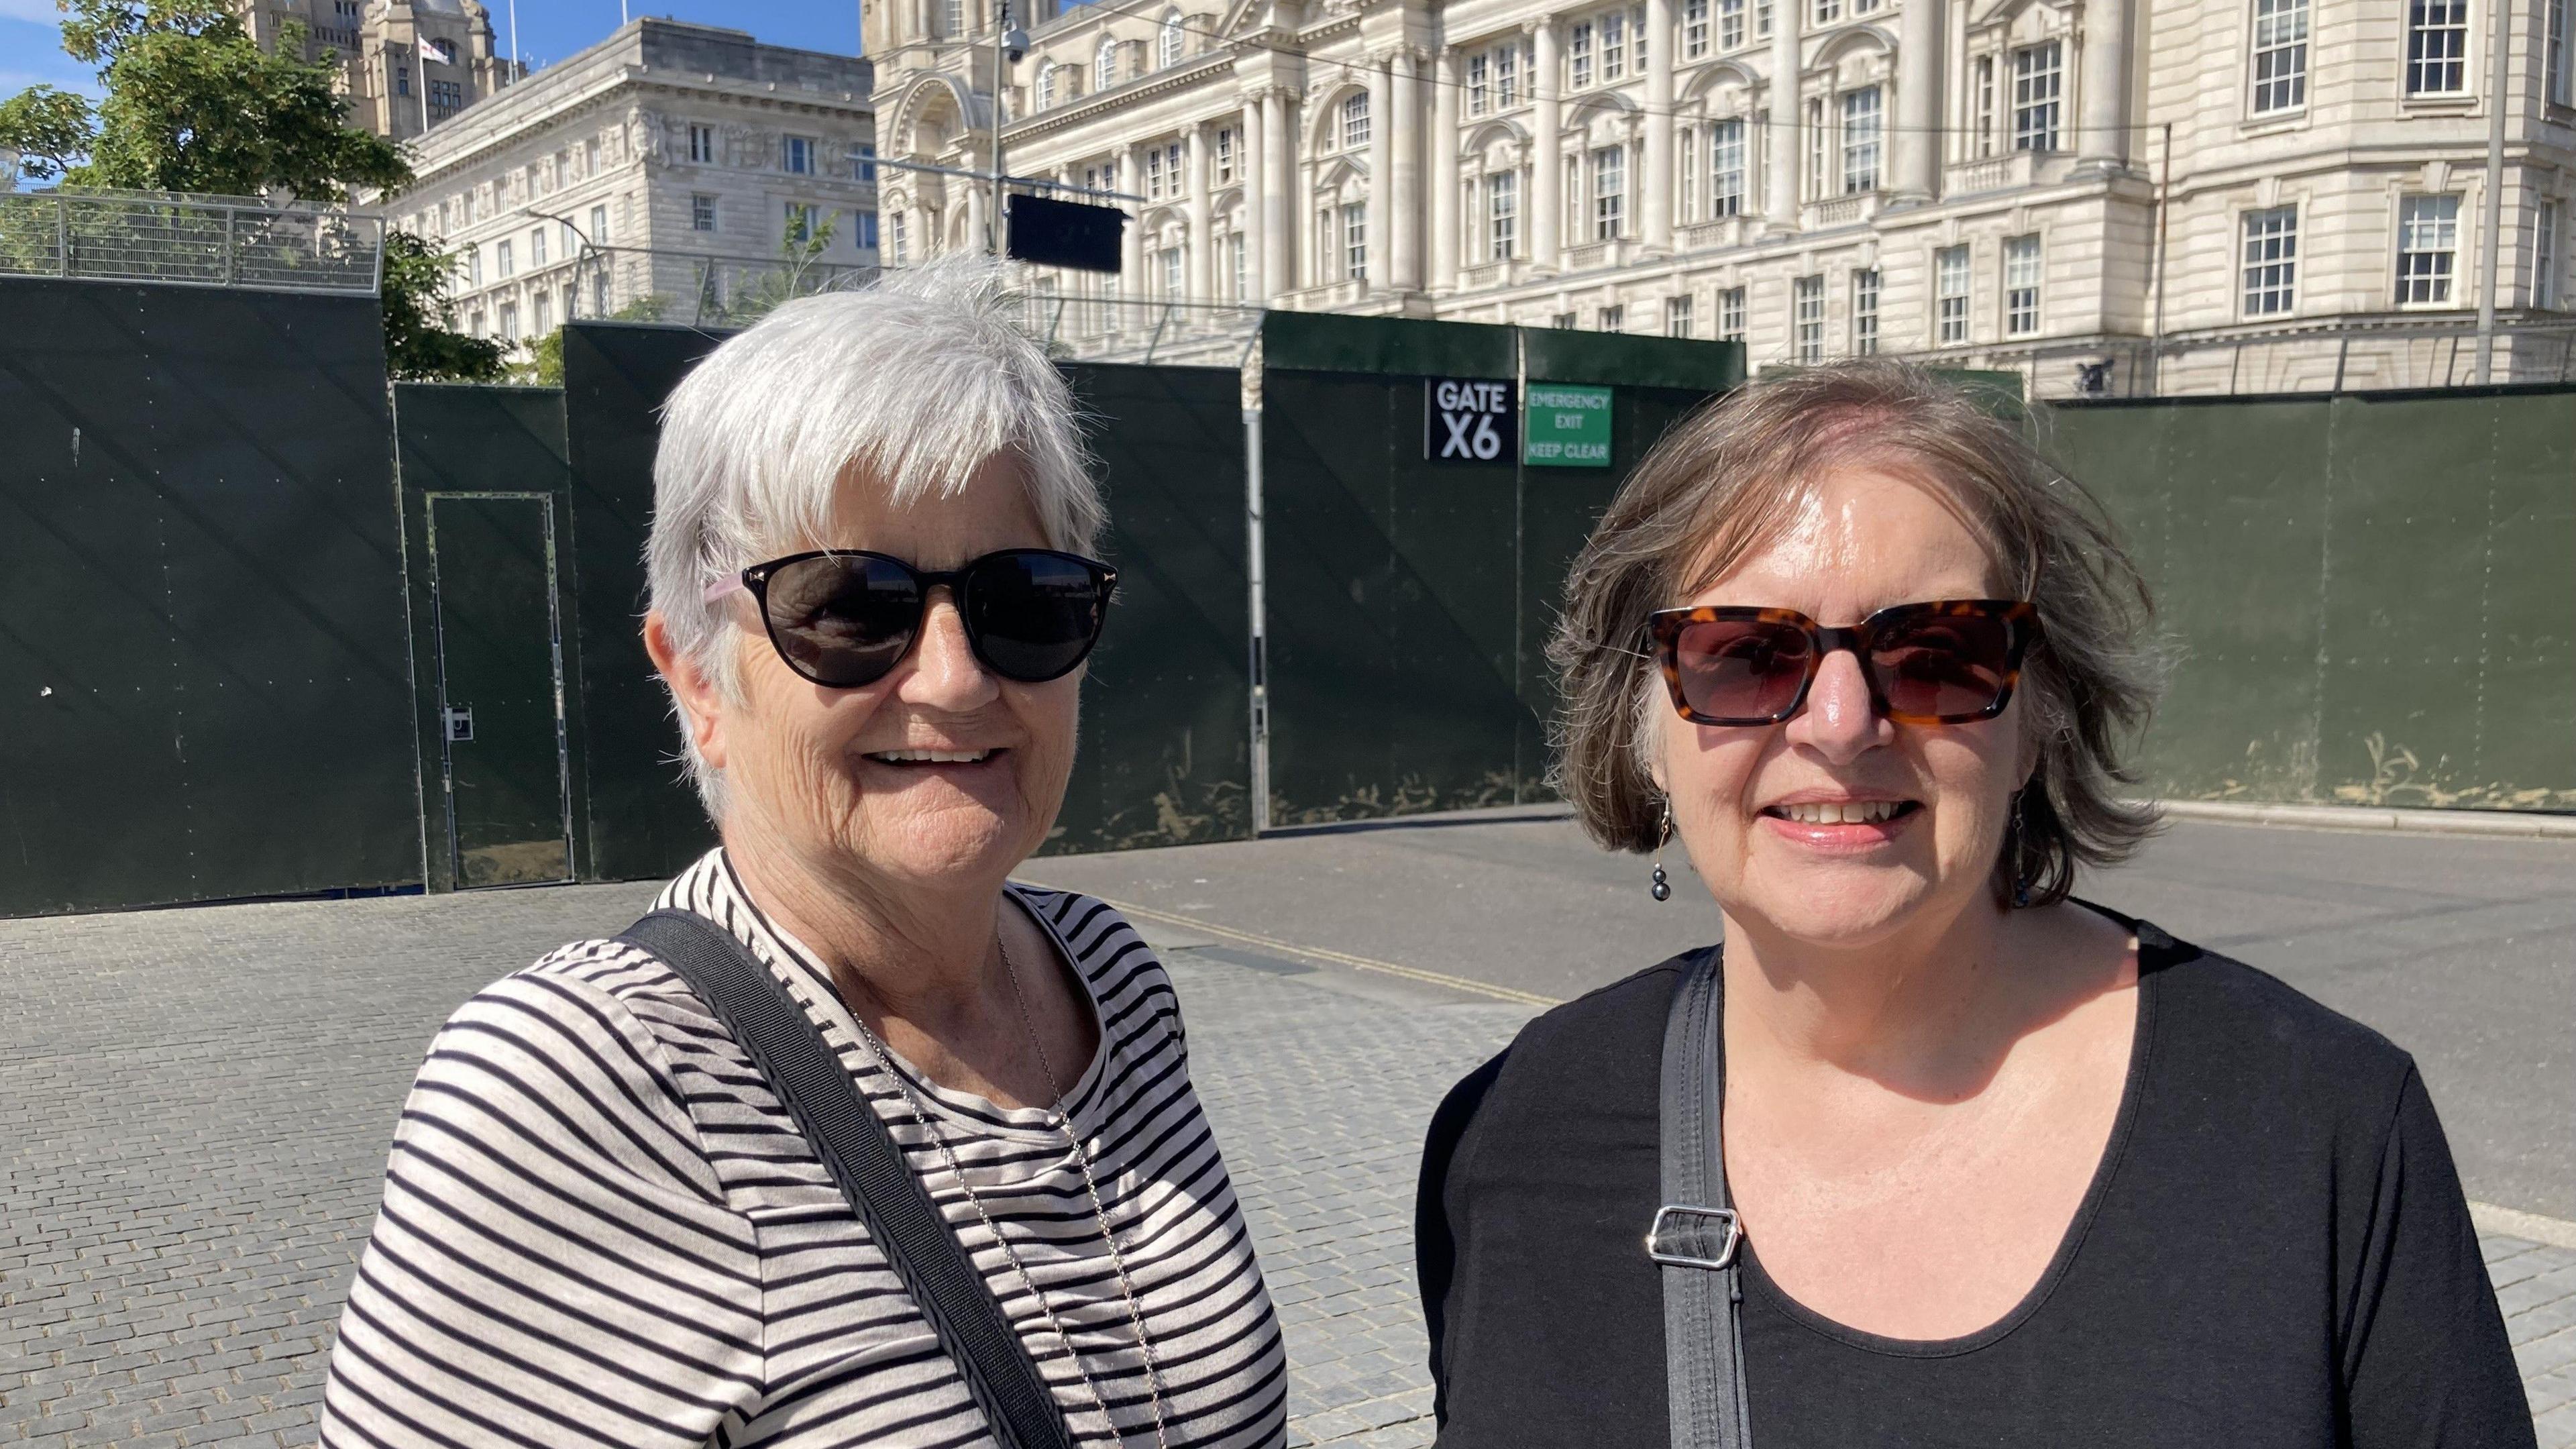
442, 51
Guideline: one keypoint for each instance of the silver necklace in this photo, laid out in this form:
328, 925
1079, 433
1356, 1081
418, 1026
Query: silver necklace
1082, 1156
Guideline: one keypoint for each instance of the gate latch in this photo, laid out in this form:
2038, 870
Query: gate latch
457, 720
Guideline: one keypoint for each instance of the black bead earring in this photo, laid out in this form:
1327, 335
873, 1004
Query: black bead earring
1662, 889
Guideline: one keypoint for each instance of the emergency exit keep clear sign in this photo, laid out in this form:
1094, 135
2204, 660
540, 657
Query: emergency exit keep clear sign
1565, 426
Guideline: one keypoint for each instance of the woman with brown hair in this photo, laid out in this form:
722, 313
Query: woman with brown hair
1930, 1152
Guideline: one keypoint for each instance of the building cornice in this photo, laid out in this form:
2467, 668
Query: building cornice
1207, 67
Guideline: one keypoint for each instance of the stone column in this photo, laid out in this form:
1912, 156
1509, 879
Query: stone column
1444, 172
1918, 101
1547, 158
1780, 187
2105, 82
1202, 255
1381, 177
1655, 184
1131, 251
1404, 177
1278, 189
1254, 216
975, 208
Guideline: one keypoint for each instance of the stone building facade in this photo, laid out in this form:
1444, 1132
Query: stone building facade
674, 170
408, 65
2246, 195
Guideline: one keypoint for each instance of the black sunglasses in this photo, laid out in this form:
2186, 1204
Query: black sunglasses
844, 618
1949, 661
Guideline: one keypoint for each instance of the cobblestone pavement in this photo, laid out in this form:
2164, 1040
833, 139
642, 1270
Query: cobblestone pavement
195, 1105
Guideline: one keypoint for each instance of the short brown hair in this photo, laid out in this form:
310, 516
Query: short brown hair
1720, 485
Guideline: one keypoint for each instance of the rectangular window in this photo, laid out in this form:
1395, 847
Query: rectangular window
1762, 18
1503, 214
702, 212
510, 321
1225, 153
1677, 316
864, 167
1637, 39
1807, 319
402, 78
800, 156
1507, 71
900, 234
1613, 319
474, 266
1578, 52
1860, 140
1609, 192
543, 310
1828, 11
2038, 82
1234, 268
1575, 201
2021, 285
1154, 173
2428, 243
2544, 255
599, 225
537, 247
1687, 203
1950, 296
1820, 141
2271, 274
1726, 169
864, 229
1864, 311
1355, 121
800, 223
1355, 242
702, 145
1694, 29
1730, 315
1173, 286
2437, 47
2280, 55
2553, 56
1562, 321
1614, 46
1985, 105
1479, 68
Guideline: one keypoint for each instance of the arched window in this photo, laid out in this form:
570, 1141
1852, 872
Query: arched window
1168, 47
1046, 85
1104, 65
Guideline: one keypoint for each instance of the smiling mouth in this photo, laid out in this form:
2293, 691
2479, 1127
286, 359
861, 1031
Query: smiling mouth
1843, 812
932, 757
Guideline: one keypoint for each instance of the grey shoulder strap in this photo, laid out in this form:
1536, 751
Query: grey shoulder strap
1694, 1235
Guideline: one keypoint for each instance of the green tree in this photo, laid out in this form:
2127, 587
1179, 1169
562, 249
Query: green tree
52, 129
194, 104
544, 366
421, 340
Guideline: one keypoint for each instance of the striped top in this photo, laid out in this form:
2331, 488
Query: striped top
600, 1227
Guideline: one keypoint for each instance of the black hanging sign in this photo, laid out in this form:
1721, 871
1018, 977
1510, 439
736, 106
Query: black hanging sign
1469, 420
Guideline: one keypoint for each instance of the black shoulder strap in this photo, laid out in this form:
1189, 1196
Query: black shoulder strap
864, 1159
1694, 1235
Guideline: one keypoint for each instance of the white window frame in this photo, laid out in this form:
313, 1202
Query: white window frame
1694, 29
1807, 320
2544, 254
1609, 167
1863, 122
1502, 215
1224, 153
1730, 314
2024, 265
796, 155
1478, 88
1987, 117
1677, 315
1170, 42
1729, 178
702, 144
1865, 288
2280, 57
2428, 249
2553, 65
1507, 73
2437, 47
1578, 55
1104, 64
1046, 84
1614, 45
1612, 318
1355, 121
2268, 262
1954, 282
2039, 96
703, 211
1355, 241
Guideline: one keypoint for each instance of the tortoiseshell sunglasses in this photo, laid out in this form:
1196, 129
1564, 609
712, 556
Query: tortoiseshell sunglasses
1950, 661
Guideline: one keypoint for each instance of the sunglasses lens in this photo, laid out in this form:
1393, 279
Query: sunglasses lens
1741, 669
843, 620
1034, 615
1943, 666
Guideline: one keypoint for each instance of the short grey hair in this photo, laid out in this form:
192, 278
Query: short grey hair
1722, 484
915, 381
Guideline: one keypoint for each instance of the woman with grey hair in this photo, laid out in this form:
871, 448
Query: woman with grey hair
1930, 1153
620, 1209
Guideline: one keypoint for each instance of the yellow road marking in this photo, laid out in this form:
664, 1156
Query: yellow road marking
1341, 958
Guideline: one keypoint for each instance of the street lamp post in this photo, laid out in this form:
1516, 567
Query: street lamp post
1009, 44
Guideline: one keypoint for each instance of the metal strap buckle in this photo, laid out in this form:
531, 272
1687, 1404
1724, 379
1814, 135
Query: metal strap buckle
1682, 1233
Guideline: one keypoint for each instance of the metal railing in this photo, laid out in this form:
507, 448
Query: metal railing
2394, 352
175, 239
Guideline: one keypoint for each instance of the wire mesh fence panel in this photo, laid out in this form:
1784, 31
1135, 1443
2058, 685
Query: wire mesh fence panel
189, 241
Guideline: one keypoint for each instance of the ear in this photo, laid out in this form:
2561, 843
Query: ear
701, 703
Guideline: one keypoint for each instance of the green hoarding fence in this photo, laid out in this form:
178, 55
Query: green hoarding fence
487, 525
201, 606
1407, 599
2371, 595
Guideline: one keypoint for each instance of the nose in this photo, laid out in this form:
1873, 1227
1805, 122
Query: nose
1839, 721
944, 673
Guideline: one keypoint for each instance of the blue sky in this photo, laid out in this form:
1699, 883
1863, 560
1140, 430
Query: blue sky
549, 30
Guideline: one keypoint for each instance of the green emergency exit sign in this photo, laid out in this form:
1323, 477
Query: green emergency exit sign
1564, 426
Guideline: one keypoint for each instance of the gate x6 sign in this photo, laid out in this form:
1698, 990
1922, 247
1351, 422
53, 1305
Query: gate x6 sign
1467, 420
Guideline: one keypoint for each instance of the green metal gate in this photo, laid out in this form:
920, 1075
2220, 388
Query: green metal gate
504, 773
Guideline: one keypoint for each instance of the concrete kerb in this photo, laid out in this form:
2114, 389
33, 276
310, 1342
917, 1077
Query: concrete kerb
2515, 1223
2514, 824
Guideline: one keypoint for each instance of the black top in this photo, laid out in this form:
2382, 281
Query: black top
2274, 1251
